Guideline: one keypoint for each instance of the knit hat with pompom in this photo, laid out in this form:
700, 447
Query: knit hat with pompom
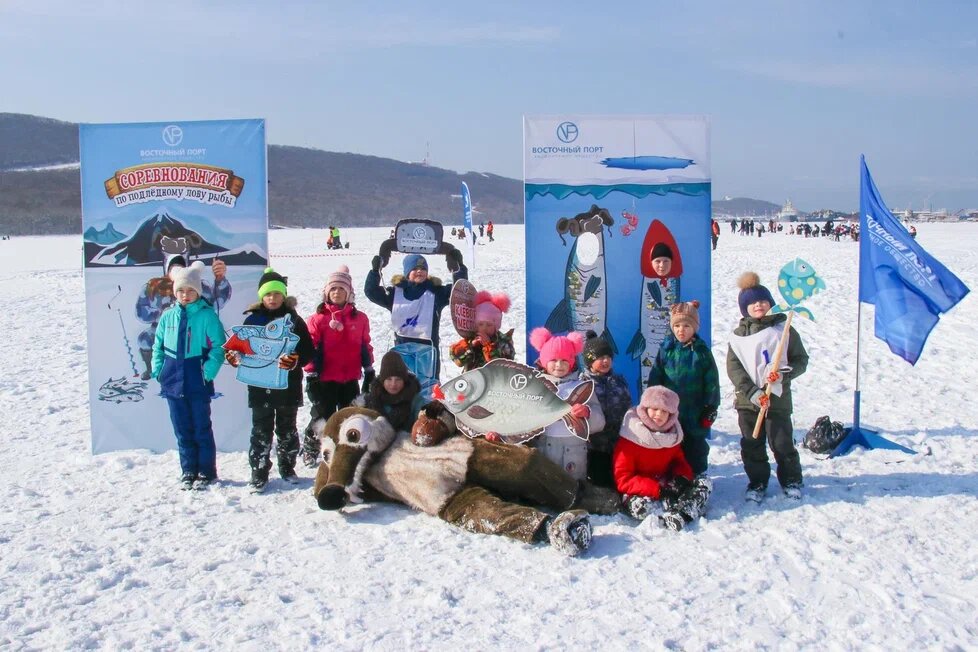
556, 347
751, 291
490, 307
687, 311
272, 281
339, 279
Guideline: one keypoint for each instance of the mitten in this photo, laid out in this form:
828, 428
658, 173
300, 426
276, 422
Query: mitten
454, 260
708, 416
288, 361
232, 358
376, 263
755, 398
580, 411
773, 377
368, 379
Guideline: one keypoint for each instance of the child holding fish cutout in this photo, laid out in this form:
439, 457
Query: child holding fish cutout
274, 411
487, 341
685, 365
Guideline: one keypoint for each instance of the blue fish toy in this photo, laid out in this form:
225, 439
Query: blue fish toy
796, 283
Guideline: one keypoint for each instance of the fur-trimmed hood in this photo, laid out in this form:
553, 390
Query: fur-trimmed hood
634, 430
400, 280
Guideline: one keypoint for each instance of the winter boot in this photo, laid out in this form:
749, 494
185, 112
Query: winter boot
793, 491
570, 532
692, 503
258, 481
755, 493
310, 458
672, 521
288, 474
638, 507
187, 481
203, 482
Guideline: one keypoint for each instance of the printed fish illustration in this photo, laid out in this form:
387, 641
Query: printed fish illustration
121, 390
657, 296
511, 399
585, 303
271, 340
796, 282
647, 163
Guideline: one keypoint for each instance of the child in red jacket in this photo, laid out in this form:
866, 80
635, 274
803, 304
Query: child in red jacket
650, 470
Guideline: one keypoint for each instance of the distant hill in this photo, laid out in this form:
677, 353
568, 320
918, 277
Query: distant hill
307, 187
742, 206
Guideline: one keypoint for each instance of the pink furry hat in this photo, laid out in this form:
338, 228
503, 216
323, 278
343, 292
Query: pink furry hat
556, 347
490, 307
660, 397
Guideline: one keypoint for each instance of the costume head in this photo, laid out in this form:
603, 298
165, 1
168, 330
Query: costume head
751, 291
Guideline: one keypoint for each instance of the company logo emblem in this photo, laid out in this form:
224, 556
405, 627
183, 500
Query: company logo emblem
567, 132
420, 232
518, 382
172, 135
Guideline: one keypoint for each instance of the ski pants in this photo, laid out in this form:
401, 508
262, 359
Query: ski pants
325, 398
776, 432
264, 422
191, 419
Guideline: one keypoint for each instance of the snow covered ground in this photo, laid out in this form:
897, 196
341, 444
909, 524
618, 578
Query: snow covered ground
104, 552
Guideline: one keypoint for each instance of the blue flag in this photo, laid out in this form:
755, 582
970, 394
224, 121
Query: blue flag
467, 221
908, 286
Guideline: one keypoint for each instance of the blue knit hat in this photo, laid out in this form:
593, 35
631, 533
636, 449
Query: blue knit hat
751, 291
414, 261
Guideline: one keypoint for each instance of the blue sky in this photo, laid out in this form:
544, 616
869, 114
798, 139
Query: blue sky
795, 90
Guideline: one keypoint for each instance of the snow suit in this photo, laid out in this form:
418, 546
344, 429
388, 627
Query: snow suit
777, 424
275, 410
333, 374
558, 443
187, 356
691, 371
615, 399
474, 352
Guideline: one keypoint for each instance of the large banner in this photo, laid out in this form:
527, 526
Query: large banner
156, 195
605, 196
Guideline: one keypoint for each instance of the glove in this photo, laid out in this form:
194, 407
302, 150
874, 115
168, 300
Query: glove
755, 398
708, 416
376, 264
454, 260
368, 379
232, 358
580, 411
288, 361
773, 377
765, 401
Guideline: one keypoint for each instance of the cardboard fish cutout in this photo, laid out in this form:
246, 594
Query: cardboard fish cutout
797, 282
260, 348
511, 399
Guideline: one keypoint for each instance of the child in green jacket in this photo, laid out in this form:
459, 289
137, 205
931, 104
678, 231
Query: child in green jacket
187, 355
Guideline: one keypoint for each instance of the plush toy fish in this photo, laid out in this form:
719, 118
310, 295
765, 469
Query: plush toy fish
796, 282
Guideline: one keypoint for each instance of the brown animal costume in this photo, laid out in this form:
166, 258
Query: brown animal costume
459, 480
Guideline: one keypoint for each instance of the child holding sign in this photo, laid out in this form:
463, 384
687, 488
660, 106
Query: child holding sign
489, 342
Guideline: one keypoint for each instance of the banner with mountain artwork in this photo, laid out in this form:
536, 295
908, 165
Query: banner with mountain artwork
155, 196
617, 219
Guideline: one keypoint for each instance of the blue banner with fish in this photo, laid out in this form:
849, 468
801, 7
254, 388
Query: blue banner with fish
157, 196
617, 218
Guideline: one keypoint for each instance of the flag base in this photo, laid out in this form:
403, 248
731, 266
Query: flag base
868, 439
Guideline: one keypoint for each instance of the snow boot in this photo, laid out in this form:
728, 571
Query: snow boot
570, 532
203, 482
793, 491
672, 521
638, 507
310, 458
692, 503
258, 481
288, 474
147, 357
755, 493
187, 481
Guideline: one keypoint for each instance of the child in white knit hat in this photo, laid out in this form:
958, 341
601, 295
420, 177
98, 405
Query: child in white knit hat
187, 356
341, 337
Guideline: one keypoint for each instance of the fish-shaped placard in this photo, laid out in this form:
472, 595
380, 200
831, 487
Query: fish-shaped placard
797, 282
260, 348
511, 399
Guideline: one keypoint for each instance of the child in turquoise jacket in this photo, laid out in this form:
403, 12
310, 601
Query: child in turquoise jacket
187, 355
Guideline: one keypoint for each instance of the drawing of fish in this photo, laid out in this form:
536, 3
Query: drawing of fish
657, 296
511, 399
585, 303
121, 390
797, 282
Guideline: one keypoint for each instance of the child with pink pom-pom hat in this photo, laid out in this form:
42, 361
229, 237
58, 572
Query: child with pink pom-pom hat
489, 342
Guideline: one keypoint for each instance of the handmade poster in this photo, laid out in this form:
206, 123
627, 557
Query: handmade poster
461, 304
156, 196
511, 399
605, 197
259, 349
797, 282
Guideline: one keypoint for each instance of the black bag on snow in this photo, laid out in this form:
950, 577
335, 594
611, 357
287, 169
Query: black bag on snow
824, 436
